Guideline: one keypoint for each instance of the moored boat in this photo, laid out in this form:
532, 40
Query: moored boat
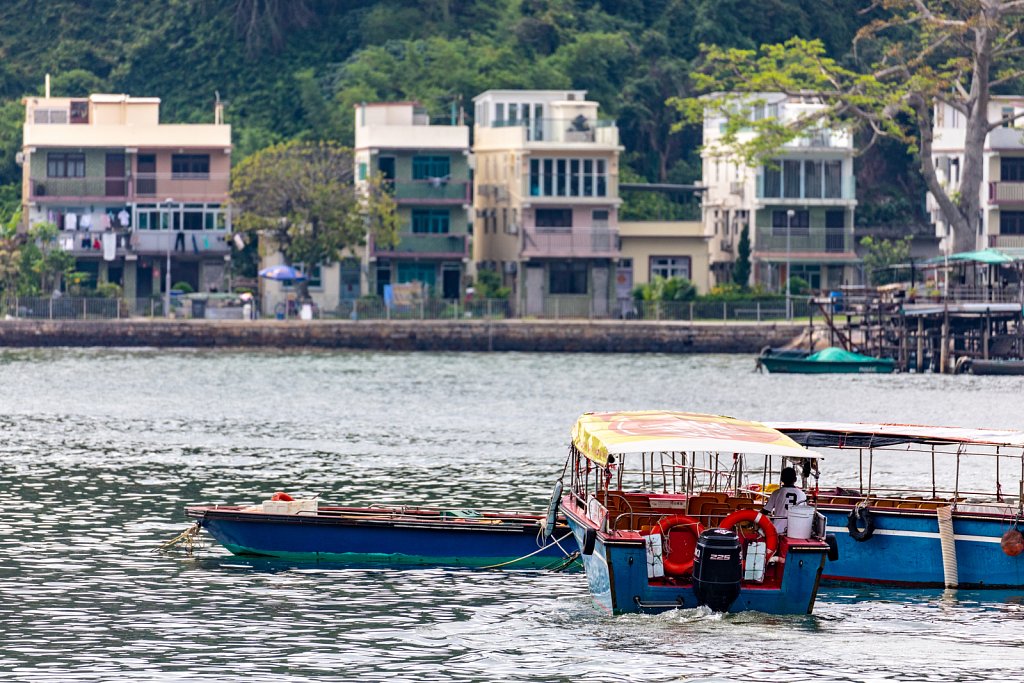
827, 361
952, 522
655, 500
302, 530
978, 366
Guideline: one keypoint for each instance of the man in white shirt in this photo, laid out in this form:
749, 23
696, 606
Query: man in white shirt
783, 498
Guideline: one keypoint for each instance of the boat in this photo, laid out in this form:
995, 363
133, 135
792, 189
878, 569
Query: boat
978, 366
952, 522
305, 531
830, 360
655, 501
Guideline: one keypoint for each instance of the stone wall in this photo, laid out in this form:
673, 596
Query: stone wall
447, 335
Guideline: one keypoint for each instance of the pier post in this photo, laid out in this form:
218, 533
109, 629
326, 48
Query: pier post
944, 344
986, 333
919, 361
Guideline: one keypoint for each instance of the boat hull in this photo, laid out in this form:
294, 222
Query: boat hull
811, 367
906, 550
401, 538
617, 577
997, 367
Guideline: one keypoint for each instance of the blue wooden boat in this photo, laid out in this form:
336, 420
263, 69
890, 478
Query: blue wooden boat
395, 536
827, 361
893, 532
652, 499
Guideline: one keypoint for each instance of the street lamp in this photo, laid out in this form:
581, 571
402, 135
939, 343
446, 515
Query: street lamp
169, 202
789, 229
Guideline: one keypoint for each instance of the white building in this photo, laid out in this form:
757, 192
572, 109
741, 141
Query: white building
799, 207
1002, 187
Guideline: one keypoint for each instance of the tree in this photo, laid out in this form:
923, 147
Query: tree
302, 196
741, 268
42, 261
881, 255
914, 55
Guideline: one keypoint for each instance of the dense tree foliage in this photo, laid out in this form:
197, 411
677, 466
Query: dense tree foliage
294, 68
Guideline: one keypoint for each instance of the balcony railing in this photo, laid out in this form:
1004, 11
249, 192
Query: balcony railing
432, 191
144, 185
1006, 241
155, 242
843, 190
562, 242
814, 239
425, 245
827, 139
580, 129
1006, 192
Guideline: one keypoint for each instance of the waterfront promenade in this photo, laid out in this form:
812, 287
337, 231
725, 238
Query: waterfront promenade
593, 336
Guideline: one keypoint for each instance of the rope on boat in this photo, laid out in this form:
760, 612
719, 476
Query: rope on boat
187, 537
564, 564
949, 568
524, 557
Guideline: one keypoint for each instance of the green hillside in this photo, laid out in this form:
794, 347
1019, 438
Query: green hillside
294, 68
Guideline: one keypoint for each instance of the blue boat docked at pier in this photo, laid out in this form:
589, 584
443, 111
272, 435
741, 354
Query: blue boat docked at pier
955, 525
655, 500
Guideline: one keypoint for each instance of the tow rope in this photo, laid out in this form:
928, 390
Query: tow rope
186, 537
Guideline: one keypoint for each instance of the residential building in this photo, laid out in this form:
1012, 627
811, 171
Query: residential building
798, 206
131, 195
666, 248
1002, 188
426, 166
546, 199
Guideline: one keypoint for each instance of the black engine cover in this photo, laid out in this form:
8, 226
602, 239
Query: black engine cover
717, 569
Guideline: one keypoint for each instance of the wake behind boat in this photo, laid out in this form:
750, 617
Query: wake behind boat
303, 530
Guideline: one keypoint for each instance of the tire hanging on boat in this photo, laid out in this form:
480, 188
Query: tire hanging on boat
552, 515
860, 515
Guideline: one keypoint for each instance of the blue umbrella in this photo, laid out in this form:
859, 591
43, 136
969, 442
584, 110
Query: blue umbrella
281, 272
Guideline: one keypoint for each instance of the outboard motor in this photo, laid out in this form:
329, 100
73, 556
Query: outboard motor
717, 569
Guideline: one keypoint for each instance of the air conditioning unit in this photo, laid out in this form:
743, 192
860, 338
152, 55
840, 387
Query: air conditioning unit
500, 192
726, 245
736, 187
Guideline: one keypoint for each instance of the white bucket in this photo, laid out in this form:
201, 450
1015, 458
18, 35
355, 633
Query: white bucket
801, 518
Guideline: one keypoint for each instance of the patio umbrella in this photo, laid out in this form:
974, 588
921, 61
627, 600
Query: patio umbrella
281, 272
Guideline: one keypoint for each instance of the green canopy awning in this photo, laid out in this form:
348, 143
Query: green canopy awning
835, 354
987, 256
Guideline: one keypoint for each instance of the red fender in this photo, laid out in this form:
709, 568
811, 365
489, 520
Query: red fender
760, 520
675, 566
281, 495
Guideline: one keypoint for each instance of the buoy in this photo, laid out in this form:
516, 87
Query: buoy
1012, 543
281, 495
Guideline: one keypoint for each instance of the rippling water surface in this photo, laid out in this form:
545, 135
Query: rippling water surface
102, 449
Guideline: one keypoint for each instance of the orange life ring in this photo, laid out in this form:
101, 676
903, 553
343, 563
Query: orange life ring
673, 565
281, 495
761, 520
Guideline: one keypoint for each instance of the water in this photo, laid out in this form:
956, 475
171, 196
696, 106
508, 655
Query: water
102, 450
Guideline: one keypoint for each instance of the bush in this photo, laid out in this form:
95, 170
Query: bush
662, 289
488, 286
183, 287
108, 290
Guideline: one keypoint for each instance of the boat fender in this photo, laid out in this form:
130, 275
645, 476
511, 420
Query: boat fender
674, 566
552, 516
281, 495
589, 539
761, 521
1012, 543
833, 547
861, 515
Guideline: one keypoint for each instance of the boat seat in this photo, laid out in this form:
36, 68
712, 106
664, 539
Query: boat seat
718, 496
885, 503
743, 504
714, 514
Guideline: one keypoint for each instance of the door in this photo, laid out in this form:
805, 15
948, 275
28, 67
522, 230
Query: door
145, 177
349, 279
834, 230
535, 290
451, 282
600, 275
115, 175
386, 168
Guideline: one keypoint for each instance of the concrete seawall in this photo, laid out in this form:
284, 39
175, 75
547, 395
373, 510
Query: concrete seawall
432, 335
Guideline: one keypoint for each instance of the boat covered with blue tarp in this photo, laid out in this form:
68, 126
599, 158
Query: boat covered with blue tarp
830, 360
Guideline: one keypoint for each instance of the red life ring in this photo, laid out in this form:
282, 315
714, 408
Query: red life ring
676, 566
281, 495
762, 521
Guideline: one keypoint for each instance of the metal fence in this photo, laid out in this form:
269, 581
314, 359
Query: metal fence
80, 308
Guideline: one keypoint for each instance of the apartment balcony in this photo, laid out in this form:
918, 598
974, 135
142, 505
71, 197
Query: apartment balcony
579, 132
1006, 193
424, 245
803, 242
1006, 241
572, 188
434, 191
152, 243
842, 191
576, 242
821, 140
143, 187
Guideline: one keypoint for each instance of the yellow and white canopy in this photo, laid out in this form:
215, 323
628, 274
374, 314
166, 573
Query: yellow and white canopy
598, 435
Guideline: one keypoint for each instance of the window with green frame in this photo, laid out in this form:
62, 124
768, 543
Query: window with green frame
430, 220
424, 167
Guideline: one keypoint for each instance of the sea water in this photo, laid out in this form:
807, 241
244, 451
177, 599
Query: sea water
102, 449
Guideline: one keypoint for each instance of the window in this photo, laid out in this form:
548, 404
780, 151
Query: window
192, 218
65, 165
1007, 116
772, 180
314, 275
670, 266
1011, 222
568, 177
567, 277
1011, 169
499, 114
600, 218
554, 218
362, 170
791, 179
834, 179
190, 166
424, 168
50, 116
800, 223
812, 179
430, 221
424, 273
79, 111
